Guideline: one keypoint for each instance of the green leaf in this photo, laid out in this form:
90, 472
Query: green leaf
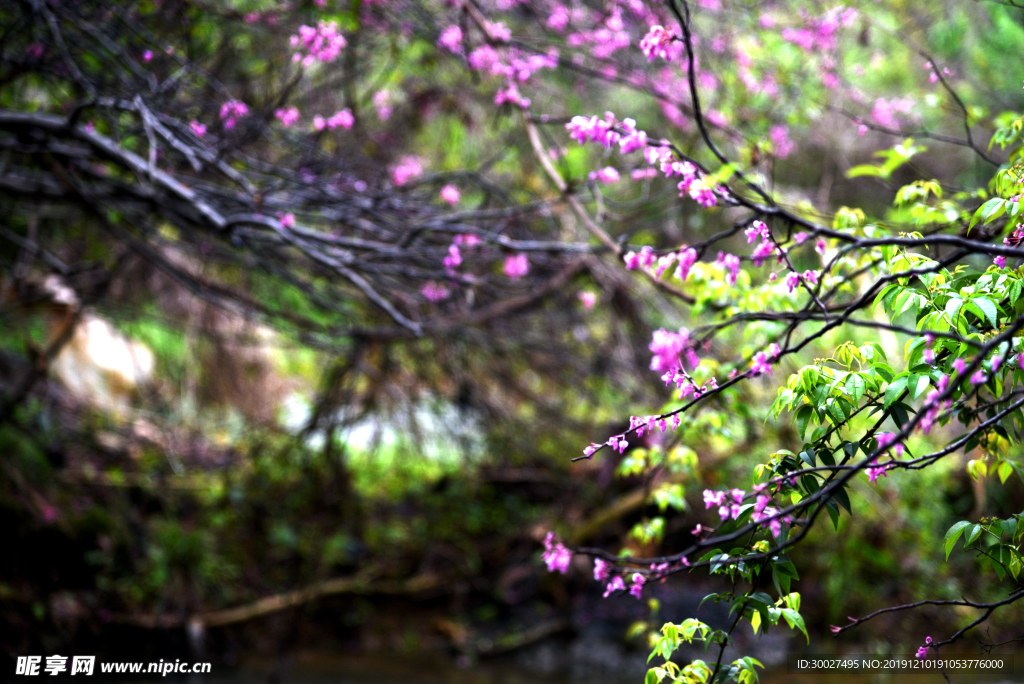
989, 210
855, 386
952, 535
918, 385
973, 534
802, 417
990, 309
895, 388
796, 621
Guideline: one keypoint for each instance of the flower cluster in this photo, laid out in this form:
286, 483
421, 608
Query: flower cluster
344, 119
555, 555
608, 132
670, 349
604, 41
408, 168
793, 279
197, 128
923, 651
451, 195
934, 406
766, 248
321, 44
451, 40
659, 42
516, 266
231, 111
452, 260
435, 292
721, 499
731, 262
288, 116
761, 364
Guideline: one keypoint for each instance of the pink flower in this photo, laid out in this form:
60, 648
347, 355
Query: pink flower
638, 585
607, 175
319, 123
382, 105
451, 39
287, 117
321, 44
287, 220
1000, 261
197, 128
658, 43
231, 111
781, 142
454, 258
800, 238
759, 365
731, 262
959, 365
615, 585
467, 240
587, 298
408, 168
687, 258
450, 194
555, 555
713, 498
792, 280
147, 55
434, 292
517, 266
342, 118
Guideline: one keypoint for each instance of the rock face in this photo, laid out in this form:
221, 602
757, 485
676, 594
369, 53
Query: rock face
102, 367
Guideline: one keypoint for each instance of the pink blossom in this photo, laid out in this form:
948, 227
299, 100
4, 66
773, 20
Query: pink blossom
517, 266
435, 292
587, 298
382, 105
147, 55
713, 498
643, 174
319, 123
499, 32
759, 365
820, 246
451, 195
758, 229
731, 262
687, 258
959, 365
800, 238
607, 175
979, 377
637, 587
558, 18
343, 118
658, 43
197, 128
781, 142
408, 167
1000, 261
885, 439
702, 194
231, 111
321, 44
615, 585
287, 220
467, 240
792, 280
288, 116
511, 95
669, 348
451, 39
555, 555
601, 569
453, 259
